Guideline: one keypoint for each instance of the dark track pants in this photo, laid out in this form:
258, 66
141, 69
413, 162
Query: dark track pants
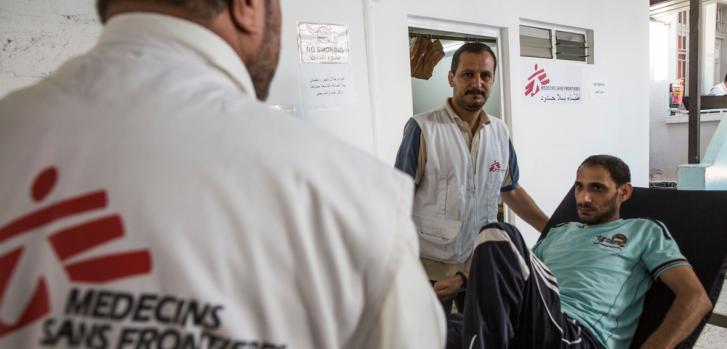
512, 300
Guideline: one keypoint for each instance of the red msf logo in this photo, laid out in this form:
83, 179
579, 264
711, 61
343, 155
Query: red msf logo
495, 166
68, 242
535, 81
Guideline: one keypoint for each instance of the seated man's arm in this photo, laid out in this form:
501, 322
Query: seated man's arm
517, 198
523, 205
689, 307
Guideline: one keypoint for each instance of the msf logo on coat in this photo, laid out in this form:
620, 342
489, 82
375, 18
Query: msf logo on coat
29, 303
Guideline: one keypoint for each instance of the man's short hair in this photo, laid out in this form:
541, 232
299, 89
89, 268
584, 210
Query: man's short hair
472, 47
201, 9
725, 77
618, 169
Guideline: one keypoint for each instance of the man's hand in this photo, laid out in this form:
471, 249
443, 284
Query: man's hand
448, 287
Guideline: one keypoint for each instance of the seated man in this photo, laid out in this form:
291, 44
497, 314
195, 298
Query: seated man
719, 89
583, 285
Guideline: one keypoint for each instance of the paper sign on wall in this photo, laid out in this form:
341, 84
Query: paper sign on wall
551, 83
323, 43
325, 68
599, 87
327, 86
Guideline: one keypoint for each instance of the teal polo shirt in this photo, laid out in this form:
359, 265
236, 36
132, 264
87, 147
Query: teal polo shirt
605, 270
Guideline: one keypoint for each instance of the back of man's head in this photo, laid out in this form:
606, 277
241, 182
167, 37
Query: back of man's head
250, 28
202, 10
472, 47
618, 169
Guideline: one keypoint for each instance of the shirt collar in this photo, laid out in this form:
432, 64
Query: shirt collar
484, 118
201, 40
606, 225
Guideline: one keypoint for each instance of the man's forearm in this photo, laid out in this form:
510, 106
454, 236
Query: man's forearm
523, 205
683, 317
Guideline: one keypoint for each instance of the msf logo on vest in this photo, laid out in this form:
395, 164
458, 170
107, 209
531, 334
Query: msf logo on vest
495, 166
25, 299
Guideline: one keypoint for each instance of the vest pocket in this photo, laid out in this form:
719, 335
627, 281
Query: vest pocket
438, 230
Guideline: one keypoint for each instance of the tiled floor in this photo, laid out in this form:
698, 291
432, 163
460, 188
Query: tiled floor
714, 337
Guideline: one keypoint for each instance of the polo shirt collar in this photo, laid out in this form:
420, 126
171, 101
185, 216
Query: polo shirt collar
201, 40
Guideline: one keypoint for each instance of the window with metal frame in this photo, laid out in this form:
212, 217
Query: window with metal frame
556, 42
535, 42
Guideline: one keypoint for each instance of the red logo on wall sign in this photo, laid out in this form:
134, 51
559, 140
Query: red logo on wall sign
536, 81
67, 242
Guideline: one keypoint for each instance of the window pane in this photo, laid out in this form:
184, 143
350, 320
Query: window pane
570, 37
535, 42
570, 46
534, 32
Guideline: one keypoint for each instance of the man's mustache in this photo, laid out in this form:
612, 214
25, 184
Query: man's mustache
586, 206
474, 91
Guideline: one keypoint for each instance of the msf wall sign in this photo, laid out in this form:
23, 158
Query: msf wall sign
551, 83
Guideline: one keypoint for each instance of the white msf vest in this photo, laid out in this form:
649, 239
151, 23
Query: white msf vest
457, 194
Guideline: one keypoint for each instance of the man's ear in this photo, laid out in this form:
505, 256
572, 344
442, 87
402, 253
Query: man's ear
248, 15
624, 191
450, 78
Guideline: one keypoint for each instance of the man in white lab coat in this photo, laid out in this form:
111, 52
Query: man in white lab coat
150, 200
719, 89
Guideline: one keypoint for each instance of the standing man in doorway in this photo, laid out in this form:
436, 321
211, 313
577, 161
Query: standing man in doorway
462, 161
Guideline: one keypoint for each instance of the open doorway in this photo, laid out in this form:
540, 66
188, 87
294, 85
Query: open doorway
429, 94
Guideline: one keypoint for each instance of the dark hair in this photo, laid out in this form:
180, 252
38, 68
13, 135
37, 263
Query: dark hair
725, 77
202, 9
472, 47
618, 169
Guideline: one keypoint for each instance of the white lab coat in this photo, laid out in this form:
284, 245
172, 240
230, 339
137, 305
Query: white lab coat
213, 218
717, 90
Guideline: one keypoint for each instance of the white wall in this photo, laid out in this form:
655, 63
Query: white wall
36, 36
550, 140
351, 124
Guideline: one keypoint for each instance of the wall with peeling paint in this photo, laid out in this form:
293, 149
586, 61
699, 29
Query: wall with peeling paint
37, 36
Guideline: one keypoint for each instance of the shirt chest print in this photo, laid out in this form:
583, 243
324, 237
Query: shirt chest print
616, 241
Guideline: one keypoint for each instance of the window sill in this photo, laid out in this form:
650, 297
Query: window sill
706, 116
